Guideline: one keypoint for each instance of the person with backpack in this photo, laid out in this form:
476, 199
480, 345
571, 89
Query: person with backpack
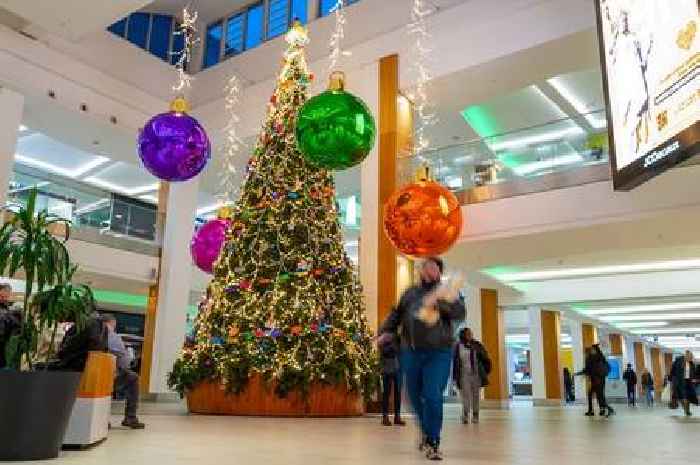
426, 315
630, 378
470, 369
597, 369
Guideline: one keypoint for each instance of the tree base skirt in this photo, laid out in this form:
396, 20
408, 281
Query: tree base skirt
260, 399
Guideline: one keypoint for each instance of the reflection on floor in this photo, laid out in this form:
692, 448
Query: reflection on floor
523, 435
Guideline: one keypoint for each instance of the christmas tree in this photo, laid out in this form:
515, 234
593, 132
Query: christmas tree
285, 302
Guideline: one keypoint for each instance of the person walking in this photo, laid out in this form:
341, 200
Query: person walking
569, 386
391, 380
630, 378
648, 388
597, 369
125, 378
470, 369
683, 374
426, 314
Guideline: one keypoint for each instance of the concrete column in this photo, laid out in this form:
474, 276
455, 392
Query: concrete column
11, 112
493, 337
174, 283
616, 345
472, 300
577, 346
545, 337
313, 10
640, 364
657, 371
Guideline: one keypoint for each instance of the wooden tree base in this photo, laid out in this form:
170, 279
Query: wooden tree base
259, 399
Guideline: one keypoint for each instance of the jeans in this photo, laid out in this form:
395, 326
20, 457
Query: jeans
129, 382
649, 397
471, 395
427, 372
390, 381
632, 395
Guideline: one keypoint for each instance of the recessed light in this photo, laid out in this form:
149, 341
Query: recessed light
642, 308
652, 317
667, 331
641, 324
69, 173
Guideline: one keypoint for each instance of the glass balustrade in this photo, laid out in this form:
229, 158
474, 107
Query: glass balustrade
558, 154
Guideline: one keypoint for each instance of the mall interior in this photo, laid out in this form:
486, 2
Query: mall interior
506, 102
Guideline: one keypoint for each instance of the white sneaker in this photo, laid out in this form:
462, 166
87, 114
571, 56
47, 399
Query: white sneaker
465, 419
433, 452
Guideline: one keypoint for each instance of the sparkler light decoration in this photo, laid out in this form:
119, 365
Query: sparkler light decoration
425, 114
232, 143
336, 43
188, 30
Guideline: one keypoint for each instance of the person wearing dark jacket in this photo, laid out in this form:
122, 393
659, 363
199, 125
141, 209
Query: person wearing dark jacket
569, 386
426, 314
648, 388
683, 373
470, 369
630, 378
597, 369
10, 321
391, 378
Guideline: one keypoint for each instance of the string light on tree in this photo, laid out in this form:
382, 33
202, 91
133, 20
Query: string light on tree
173, 146
285, 301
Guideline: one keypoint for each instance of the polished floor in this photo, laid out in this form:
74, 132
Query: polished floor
522, 435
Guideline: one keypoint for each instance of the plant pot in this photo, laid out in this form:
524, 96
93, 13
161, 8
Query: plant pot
36, 407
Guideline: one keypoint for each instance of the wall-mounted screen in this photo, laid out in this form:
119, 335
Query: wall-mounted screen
650, 53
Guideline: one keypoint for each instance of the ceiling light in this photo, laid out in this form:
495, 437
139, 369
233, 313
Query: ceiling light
641, 324
599, 270
23, 128
72, 173
667, 331
351, 211
652, 317
529, 168
525, 141
579, 106
642, 308
212, 208
130, 191
91, 206
149, 198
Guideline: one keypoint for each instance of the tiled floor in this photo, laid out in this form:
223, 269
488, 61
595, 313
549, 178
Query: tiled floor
523, 435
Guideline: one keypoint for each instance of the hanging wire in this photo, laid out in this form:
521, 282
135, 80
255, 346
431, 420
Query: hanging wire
188, 30
336, 42
424, 111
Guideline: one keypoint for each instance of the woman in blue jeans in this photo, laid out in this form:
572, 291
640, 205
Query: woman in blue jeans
426, 348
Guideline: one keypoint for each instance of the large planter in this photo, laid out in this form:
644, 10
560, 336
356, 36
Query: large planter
34, 409
260, 399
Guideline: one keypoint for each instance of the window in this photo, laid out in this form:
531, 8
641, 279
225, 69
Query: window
161, 30
299, 10
277, 18
254, 29
178, 46
137, 32
234, 34
326, 7
213, 44
118, 28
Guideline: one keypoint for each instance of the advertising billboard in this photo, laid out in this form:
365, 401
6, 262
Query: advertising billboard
650, 54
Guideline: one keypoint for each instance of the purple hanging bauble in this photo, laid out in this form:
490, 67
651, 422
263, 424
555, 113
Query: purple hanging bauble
207, 243
173, 146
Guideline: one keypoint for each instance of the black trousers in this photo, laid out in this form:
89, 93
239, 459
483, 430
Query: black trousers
631, 394
128, 381
390, 381
597, 389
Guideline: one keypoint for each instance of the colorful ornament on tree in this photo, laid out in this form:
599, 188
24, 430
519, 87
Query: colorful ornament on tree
207, 243
173, 146
423, 219
335, 130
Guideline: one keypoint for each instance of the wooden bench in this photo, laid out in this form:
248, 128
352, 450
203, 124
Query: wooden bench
89, 421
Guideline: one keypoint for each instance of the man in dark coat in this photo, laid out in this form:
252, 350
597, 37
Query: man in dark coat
630, 378
683, 375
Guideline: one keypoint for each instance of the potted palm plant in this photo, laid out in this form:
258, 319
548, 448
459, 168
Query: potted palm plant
36, 402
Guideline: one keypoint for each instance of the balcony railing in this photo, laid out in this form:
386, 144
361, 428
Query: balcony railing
555, 155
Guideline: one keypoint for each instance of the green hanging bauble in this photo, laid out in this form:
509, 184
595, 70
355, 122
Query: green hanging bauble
335, 130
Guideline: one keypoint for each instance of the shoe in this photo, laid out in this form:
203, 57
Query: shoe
475, 418
399, 422
133, 423
602, 412
385, 421
465, 419
610, 413
590, 414
433, 452
422, 442
688, 413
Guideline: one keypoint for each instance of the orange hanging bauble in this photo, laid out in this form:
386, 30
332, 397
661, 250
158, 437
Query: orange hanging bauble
423, 219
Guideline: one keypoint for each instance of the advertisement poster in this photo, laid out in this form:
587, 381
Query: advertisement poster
650, 51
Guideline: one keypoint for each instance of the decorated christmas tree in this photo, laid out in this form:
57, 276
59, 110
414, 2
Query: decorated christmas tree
285, 302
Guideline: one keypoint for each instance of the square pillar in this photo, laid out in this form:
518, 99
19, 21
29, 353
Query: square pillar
657, 371
639, 364
577, 345
545, 338
589, 335
492, 330
668, 363
174, 282
616, 345
11, 112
